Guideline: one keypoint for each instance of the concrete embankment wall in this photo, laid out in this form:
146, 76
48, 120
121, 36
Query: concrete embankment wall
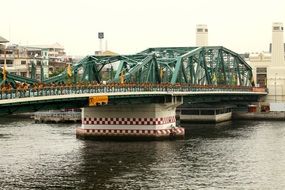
259, 115
206, 118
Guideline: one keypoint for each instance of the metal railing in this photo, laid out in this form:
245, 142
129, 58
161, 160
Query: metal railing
83, 89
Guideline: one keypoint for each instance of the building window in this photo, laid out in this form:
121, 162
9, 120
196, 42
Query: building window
38, 63
9, 63
261, 80
23, 62
261, 76
206, 30
23, 74
260, 70
276, 28
200, 30
282, 28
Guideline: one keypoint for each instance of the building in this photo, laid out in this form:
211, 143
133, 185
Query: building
46, 59
201, 35
3, 42
57, 57
19, 60
270, 47
260, 61
269, 67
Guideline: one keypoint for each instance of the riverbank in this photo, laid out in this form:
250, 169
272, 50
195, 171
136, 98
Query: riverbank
70, 117
280, 116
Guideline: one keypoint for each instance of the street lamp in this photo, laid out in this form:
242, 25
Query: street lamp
275, 87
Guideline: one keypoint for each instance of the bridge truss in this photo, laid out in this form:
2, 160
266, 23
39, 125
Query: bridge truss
191, 65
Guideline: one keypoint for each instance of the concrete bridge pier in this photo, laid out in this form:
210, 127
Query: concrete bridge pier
153, 121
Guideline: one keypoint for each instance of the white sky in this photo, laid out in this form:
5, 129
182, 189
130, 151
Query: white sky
133, 25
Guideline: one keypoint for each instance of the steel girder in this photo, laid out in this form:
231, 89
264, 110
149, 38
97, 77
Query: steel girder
144, 70
211, 65
13, 79
202, 66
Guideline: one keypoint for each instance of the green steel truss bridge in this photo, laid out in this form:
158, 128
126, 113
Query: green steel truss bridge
191, 65
155, 72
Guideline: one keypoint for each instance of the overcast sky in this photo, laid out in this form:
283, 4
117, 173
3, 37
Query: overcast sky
133, 25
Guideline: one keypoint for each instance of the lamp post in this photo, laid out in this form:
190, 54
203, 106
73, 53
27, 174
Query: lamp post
275, 88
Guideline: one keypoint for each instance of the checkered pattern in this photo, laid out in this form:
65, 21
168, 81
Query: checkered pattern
128, 121
128, 132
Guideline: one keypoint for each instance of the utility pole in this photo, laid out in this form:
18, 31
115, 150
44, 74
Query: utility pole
275, 88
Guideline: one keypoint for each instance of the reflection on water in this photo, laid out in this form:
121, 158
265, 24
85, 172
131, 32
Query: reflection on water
234, 155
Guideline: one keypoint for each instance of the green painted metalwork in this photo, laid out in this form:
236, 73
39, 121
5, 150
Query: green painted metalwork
12, 79
119, 71
42, 73
93, 88
211, 65
33, 70
69, 95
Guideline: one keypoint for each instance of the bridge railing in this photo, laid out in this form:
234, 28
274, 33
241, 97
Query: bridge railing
91, 89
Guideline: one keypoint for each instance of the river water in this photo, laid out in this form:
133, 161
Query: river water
235, 155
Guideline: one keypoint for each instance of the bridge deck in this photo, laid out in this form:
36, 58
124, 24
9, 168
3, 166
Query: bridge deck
13, 97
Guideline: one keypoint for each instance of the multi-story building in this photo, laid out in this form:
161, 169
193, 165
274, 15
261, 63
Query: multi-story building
269, 67
46, 59
56, 56
201, 35
260, 61
3, 42
19, 60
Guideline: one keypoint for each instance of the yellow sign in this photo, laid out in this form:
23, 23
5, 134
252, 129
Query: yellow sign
93, 101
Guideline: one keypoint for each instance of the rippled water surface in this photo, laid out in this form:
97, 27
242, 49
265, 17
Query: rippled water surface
236, 155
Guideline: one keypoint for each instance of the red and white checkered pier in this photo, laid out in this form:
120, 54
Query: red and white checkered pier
130, 122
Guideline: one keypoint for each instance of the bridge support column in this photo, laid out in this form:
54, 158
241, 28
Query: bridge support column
131, 122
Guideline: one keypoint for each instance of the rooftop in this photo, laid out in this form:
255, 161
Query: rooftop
3, 40
51, 46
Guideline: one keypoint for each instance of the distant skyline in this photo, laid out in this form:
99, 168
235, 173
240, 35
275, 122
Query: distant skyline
131, 26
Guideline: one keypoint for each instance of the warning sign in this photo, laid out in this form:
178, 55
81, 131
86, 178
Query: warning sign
94, 100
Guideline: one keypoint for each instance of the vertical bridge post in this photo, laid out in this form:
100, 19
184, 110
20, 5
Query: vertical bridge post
131, 122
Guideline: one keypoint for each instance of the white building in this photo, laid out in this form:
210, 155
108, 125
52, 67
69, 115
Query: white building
56, 51
269, 68
57, 58
46, 58
201, 35
19, 60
